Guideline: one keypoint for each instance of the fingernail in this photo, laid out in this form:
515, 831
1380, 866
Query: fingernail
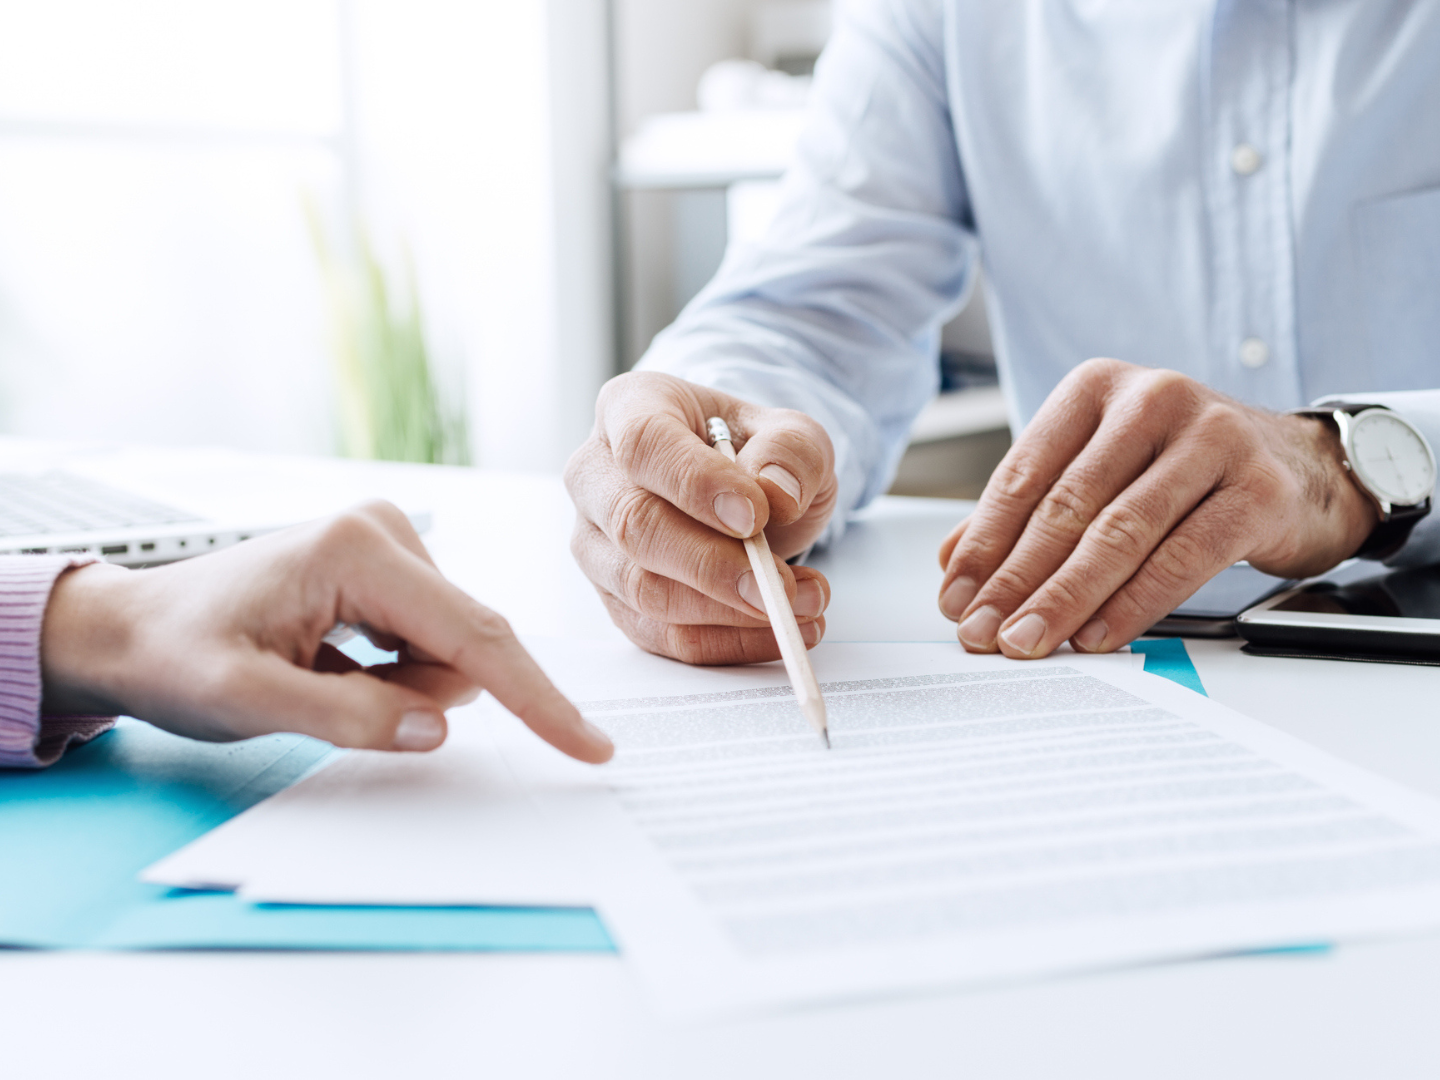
749, 590
419, 731
784, 479
957, 596
735, 513
980, 628
809, 598
1091, 636
1025, 635
810, 633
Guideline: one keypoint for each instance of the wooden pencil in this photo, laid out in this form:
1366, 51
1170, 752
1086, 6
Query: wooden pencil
777, 607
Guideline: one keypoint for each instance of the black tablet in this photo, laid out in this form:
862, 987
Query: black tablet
1363, 613
1212, 610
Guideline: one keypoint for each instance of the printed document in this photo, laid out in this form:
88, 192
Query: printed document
978, 820
984, 821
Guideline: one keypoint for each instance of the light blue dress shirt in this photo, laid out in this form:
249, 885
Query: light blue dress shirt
1246, 191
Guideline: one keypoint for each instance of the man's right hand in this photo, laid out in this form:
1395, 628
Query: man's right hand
661, 516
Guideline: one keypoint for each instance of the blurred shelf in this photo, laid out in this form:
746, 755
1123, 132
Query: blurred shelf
708, 149
960, 413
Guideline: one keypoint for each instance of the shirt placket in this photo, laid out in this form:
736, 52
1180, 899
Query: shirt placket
1247, 154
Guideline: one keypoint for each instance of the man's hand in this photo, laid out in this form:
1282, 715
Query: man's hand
1130, 489
229, 646
661, 515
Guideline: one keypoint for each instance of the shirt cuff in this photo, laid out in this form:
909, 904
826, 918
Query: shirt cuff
27, 739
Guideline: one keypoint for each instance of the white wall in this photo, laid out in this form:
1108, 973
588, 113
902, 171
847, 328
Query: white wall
663, 46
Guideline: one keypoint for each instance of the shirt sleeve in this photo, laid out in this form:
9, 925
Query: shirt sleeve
29, 740
1421, 408
837, 311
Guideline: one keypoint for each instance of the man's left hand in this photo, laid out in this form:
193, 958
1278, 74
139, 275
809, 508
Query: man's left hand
1129, 490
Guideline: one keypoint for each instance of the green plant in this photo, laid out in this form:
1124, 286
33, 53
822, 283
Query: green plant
390, 406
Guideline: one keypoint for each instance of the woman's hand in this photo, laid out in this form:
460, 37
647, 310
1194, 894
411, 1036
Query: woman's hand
230, 645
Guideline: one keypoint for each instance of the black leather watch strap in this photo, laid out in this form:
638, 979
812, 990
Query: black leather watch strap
1389, 536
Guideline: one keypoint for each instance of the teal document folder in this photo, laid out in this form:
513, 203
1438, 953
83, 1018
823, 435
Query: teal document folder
1167, 658
74, 837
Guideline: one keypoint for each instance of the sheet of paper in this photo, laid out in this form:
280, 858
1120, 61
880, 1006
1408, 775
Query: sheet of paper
977, 820
452, 827
465, 825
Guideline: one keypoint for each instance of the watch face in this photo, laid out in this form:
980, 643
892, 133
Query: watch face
1391, 458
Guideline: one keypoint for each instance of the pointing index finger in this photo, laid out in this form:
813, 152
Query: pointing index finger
400, 594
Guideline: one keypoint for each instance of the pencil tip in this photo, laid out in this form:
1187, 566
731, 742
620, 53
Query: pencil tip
826, 736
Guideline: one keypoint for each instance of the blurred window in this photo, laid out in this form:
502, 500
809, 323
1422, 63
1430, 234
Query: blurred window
157, 279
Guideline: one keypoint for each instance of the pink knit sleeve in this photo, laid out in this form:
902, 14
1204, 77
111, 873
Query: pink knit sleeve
28, 740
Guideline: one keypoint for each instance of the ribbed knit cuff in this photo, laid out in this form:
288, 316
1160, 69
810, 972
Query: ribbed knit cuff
28, 741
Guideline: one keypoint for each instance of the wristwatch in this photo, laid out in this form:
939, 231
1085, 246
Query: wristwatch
1391, 462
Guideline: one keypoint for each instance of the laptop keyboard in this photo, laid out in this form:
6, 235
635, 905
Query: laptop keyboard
35, 504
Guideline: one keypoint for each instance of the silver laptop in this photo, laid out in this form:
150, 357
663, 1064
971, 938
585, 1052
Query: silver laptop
58, 512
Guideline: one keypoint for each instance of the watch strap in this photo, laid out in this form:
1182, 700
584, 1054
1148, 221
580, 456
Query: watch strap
1389, 537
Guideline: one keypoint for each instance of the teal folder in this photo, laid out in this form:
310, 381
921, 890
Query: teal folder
1167, 657
74, 837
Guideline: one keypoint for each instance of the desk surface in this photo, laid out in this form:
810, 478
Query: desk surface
1362, 1010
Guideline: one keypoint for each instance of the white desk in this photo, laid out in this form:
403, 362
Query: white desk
1362, 1011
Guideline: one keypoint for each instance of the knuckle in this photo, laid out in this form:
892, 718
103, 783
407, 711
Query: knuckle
1164, 383
686, 643
1099, 368
618, 391
382, 511
812, 446
486, 630
491, 627
647, 593
1222, 429
638, 442
1168, 395
621, 615
1066, 508
577, 465
1008, 585
1170, 572
1097, 377
343, 534
1016, 482
800, 426
1123, 534
634, 516
580, 544
1063, 595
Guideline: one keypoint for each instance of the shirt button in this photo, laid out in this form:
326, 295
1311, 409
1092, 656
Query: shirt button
1254, 352
1245, 159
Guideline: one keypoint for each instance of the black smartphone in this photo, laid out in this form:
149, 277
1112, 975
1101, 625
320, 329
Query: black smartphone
1212, 611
